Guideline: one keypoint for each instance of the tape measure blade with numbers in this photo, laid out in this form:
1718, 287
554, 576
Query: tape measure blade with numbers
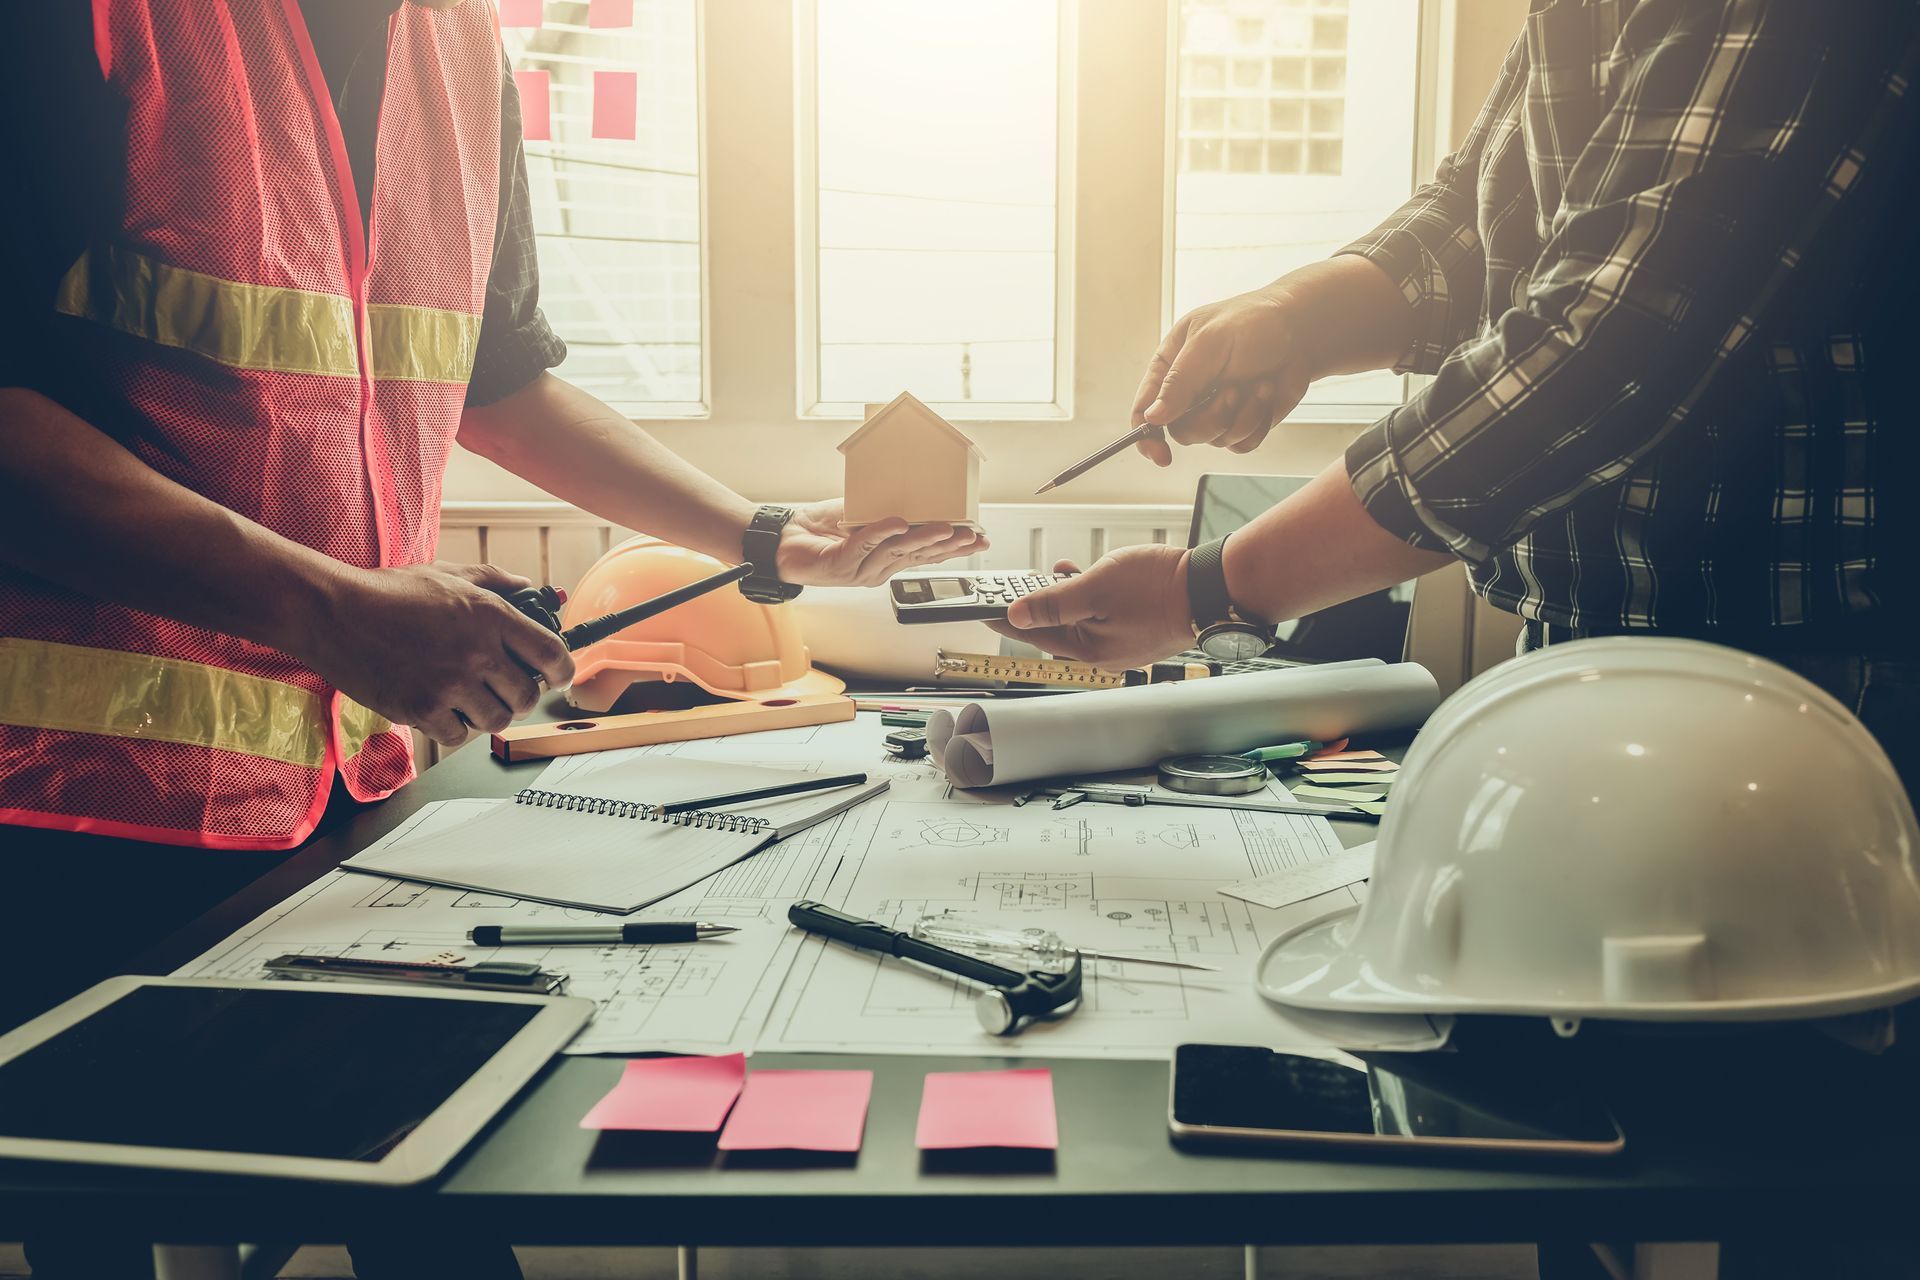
990, 666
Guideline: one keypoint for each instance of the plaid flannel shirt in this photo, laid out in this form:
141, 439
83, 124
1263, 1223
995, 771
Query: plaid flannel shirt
1665, 289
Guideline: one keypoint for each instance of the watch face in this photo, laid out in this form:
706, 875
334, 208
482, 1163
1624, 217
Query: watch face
1233, 642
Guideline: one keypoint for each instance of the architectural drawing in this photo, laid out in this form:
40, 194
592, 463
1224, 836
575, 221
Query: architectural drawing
1134, 882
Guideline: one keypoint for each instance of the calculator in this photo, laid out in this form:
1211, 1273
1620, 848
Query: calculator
947, 596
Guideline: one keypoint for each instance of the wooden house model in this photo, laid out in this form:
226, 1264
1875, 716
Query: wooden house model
908, 461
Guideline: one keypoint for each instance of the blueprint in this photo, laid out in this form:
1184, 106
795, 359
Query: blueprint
706, 997
1129, 880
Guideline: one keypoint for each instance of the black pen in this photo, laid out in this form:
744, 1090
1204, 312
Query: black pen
760, 793
517, 935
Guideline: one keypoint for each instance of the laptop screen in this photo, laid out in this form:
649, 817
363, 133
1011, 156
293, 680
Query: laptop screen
1371, 626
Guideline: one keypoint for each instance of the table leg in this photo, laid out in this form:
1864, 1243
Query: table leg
196, 1262
688, 1256
1251, 1262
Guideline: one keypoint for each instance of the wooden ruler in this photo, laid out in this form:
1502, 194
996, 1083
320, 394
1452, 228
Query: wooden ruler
990, 666
644, 728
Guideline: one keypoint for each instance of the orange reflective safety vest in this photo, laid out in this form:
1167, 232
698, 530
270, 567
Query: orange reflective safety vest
273, 357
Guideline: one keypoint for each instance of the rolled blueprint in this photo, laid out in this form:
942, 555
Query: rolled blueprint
988, 743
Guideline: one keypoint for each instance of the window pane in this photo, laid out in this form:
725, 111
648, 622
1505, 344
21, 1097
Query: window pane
937, 152
618, 218
1299, 162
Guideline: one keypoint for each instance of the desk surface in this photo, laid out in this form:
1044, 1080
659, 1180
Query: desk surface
1777, 1133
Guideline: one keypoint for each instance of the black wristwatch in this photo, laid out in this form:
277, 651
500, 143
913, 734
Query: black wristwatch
760, 546
1221, 631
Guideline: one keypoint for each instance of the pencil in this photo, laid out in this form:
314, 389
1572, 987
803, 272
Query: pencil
761, 793
1125, 442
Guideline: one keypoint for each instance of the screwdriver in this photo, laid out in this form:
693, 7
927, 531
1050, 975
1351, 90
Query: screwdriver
1021, 948
542, 604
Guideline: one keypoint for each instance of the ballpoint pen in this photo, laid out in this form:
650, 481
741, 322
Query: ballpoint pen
518, 935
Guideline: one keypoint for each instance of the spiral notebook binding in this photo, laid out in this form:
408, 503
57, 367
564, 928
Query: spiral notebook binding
705, 819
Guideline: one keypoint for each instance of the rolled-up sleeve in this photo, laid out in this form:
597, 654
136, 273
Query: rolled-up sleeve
1430, 246
1736, 134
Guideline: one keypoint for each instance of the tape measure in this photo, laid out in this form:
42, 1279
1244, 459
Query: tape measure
989, 666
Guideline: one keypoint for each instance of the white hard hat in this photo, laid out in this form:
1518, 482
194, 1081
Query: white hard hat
1641, 829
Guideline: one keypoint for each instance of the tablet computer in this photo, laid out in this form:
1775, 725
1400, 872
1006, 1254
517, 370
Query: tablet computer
339, 1082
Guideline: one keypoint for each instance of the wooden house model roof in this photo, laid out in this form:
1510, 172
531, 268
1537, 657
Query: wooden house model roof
923, 413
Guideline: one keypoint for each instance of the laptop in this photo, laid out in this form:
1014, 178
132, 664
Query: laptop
1370, 626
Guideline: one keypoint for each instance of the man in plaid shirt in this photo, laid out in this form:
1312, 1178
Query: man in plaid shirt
1666, 292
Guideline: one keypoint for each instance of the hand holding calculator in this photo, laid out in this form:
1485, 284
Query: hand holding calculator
948, 596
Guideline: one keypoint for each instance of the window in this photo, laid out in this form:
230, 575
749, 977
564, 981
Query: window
1293, 131
996, 204
931, 171
609, 93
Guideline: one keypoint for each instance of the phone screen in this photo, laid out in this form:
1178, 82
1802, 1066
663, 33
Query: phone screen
1405, 1095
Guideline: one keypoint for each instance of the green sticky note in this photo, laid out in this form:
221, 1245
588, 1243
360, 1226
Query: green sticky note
1337, 795
1375, 808
1351, 779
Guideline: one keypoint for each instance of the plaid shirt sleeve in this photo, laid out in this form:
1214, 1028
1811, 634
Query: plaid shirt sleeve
516, 345
1731, 133
1431, 245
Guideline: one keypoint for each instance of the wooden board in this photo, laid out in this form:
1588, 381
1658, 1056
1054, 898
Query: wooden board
645, 728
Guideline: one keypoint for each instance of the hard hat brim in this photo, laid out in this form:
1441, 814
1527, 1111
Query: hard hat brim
1313, 966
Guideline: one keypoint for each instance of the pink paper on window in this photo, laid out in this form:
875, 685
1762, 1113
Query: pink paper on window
800, 1111
616, 97
671, 1095
521, 13
987, 1109
536, 121
610, 13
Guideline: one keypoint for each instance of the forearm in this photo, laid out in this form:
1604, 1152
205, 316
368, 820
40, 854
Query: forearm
1356, 318
1318, 548
79, 510
580, 450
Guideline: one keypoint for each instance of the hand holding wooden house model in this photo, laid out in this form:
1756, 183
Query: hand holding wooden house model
910, 462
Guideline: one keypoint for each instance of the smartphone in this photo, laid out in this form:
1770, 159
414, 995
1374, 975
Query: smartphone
1397, 1102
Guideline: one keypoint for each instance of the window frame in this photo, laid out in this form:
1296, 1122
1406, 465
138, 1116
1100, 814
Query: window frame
1114, 255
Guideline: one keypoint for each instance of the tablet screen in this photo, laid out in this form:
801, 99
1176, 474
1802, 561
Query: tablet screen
330, 1075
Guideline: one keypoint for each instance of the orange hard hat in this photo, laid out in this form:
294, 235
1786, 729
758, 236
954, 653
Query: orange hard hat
722, 641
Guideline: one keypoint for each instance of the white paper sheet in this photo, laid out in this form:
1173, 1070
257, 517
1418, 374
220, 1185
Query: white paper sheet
1107, 730
703, 997
1116, 879
1289, 885
840, 747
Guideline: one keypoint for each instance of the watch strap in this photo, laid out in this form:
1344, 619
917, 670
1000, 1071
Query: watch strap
1207, 597
760, 547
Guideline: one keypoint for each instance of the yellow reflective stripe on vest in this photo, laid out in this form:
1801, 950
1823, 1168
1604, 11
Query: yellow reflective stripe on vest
357, 724
247, 326
254, 326
422, 344
137, 695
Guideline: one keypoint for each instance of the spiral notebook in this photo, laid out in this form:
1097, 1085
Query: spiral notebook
603, 844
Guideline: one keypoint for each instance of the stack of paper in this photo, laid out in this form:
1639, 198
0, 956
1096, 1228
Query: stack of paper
1339, 776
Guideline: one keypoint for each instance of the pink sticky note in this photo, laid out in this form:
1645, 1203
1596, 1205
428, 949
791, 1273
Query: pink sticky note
521, 13
800, 1111
616, 96
610, 13
987, 1109
671, 1095
536, 121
